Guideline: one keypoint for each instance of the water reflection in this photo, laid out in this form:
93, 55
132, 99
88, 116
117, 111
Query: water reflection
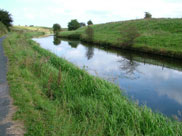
154, 81
90, 52
73, 44
56, 41
129, 66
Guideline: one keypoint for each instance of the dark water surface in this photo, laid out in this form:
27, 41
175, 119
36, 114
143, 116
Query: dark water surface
153, 81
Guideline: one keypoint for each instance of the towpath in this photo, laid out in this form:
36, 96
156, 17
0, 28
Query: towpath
4, 94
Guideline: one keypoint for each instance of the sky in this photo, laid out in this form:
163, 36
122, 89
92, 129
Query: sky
48, 12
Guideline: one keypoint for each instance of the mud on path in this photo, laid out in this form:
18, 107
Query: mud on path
8, 127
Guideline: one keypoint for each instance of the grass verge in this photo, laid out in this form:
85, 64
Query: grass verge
54, 97
3, 29
156, 36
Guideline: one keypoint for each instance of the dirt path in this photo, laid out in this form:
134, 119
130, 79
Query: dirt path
7, 126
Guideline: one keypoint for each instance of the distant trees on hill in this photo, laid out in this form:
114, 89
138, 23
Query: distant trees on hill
5, 18
147, 15
82, 24
73, 25
90, 22
56, 28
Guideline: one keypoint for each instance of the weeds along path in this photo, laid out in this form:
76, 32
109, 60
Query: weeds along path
7, 127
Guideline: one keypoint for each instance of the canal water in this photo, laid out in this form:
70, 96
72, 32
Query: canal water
148, 80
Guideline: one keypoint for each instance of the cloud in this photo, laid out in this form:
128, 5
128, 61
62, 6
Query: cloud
47, 12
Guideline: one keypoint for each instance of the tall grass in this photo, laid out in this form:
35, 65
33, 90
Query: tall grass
3, 29
54, 97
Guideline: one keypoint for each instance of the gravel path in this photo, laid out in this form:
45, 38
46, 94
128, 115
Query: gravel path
4, 94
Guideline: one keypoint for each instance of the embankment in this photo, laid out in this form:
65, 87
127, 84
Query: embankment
155, 36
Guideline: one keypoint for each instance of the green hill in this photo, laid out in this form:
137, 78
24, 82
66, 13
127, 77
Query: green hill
3, 29
157, 36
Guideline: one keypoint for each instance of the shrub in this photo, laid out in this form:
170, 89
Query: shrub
90, 22
147, 15
56, 28
128, 35
73, 25
89, 33
5, 18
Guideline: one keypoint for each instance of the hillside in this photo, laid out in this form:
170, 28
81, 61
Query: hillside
157, 36
3, 29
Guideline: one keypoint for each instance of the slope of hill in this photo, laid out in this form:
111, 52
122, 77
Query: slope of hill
157, 36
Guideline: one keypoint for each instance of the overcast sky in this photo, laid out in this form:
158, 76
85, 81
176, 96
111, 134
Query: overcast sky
48, 12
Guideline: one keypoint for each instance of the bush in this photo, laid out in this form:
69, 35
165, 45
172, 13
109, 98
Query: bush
147, 15
89, 33
128, 35
5, 18
90, 22
73, 25
56, 28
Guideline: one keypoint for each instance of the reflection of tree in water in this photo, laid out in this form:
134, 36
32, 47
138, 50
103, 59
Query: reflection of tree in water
89, 52
129, 67
73, 44
57, 41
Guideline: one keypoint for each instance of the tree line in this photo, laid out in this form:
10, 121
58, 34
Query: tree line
6, 18
72, 25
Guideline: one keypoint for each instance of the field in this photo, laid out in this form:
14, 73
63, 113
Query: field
156, 36
45, 30
54, 97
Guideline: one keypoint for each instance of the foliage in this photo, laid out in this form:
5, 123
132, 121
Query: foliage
148, 15
128, 35
74, 103
56, 28
5, 18
90, 22
73, 25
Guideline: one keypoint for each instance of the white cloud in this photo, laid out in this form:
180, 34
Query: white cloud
47, 12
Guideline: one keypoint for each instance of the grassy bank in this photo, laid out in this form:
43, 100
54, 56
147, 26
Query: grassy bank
56, 98
3, 29
156, 36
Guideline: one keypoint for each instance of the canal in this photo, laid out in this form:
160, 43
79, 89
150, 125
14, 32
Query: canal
148, 80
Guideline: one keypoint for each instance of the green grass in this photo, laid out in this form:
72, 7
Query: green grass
3, 29
56, 98
158, 36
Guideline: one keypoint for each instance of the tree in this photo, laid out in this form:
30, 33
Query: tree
147, 15
128, 35
73, 25
5, 18
90, 22
56, 28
